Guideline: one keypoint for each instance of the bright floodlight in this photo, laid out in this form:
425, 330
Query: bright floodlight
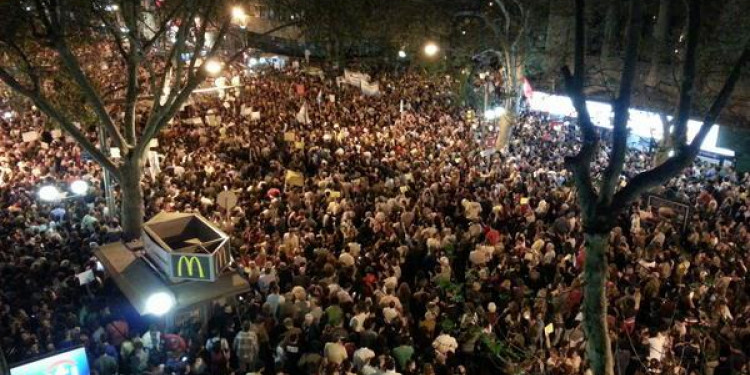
238, 13
431, 49
490, 114
494, 113
79, 187
49, 193
159, 303
253, 61
402, 54
213, 67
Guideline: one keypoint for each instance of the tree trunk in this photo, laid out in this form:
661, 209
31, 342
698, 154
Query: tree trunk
131, 200
505, 124
611, 29
598, 347
659, 45
665, 144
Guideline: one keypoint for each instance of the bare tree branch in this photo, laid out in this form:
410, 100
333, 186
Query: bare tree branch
54, 27
30, 69
622, 106
470, 14
131, 13
114, 31
684, 155
74, 68
45, 106
525, 22
722, 98
164, 26
173, 57
580, 164
688, 74
506, 15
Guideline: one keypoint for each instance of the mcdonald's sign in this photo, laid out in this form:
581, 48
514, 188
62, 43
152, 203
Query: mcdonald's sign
191, 267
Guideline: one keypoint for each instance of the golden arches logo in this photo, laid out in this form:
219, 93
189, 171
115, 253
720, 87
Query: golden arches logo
191, 262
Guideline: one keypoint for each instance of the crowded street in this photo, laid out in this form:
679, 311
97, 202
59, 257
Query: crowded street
379, 234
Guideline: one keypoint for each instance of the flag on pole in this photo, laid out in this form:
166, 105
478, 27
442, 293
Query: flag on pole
302, 116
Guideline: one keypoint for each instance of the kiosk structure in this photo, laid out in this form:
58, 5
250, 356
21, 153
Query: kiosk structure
178, 269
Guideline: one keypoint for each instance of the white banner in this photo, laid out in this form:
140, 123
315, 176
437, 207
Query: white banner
354, 78
370, 89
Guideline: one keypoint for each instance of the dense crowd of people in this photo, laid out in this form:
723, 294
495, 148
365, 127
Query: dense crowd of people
410, 248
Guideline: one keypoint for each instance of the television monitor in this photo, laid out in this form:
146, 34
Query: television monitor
71, 362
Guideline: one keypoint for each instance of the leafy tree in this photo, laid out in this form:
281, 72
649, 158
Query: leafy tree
602, 202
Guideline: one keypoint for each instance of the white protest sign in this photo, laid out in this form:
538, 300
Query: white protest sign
255, 116
226, 200
355, 78
30, 136
370, 89
154, 143
86, 277
115, 152
193, 121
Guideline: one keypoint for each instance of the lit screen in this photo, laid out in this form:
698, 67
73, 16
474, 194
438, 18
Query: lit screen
641, 123
73, 362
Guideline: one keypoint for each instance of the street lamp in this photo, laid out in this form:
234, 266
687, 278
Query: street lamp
239, 16
159, 303
49, 193
238, 12
431, 49
213, 67
79, 187
402, 54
